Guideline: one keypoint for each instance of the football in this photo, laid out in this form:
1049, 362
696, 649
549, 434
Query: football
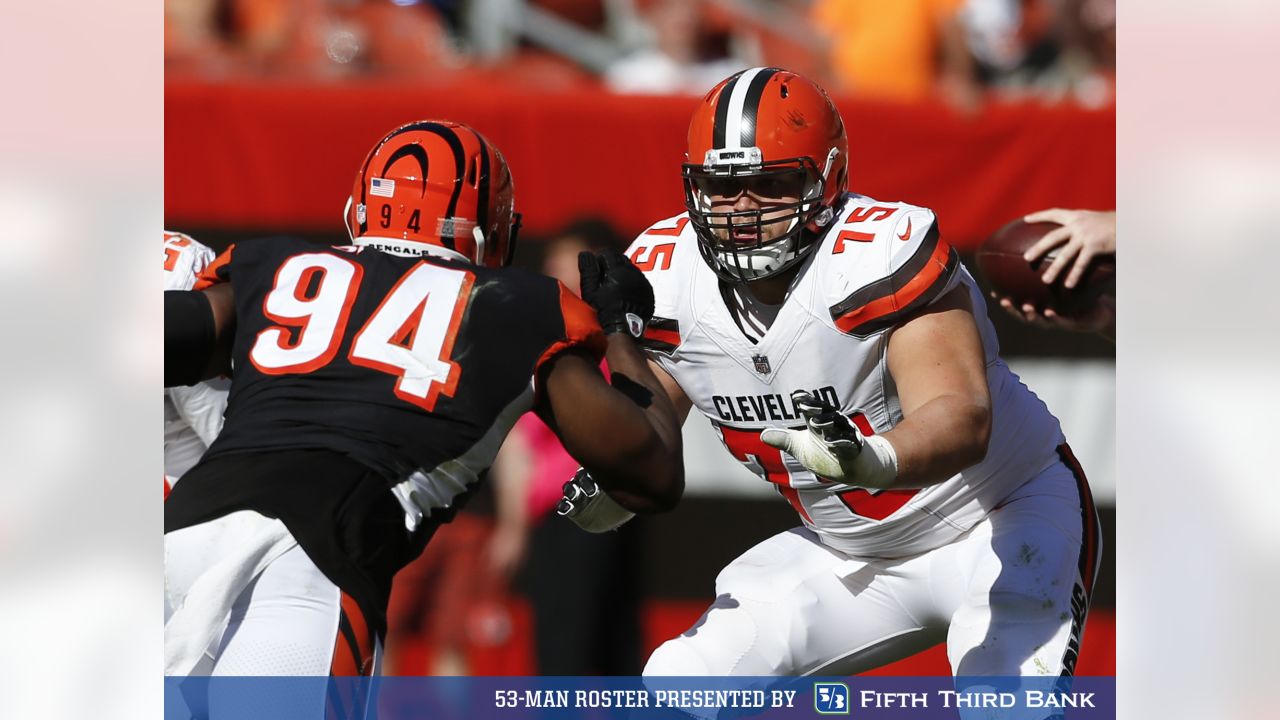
1000, 262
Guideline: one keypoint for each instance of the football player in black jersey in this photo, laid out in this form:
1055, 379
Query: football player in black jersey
373, 383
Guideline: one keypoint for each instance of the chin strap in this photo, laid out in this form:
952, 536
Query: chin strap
479, 238
346, 218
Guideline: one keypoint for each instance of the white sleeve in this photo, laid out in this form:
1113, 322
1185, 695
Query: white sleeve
201, 406
184, 259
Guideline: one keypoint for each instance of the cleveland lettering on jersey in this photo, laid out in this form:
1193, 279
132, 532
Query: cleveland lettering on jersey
766, 408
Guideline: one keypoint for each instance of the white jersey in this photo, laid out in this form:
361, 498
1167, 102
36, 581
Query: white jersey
877, 264
192, 415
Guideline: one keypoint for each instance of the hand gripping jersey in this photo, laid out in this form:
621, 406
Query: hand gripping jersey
192, 415
416, 367
877, 264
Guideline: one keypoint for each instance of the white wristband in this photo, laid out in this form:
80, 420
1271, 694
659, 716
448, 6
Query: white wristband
877, 465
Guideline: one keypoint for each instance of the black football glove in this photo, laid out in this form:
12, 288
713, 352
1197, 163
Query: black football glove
619, 292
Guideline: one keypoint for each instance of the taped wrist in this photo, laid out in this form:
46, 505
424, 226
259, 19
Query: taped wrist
189, 336
877, 465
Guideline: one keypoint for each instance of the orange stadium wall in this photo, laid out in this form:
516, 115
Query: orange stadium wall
268, 156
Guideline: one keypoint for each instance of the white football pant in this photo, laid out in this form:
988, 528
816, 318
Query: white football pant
1009, 597
289, 620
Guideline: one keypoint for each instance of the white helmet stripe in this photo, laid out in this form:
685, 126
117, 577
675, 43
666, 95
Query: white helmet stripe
733, 127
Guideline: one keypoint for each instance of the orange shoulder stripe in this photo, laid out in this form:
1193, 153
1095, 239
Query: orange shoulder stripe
939, 266
216, 272
581, 329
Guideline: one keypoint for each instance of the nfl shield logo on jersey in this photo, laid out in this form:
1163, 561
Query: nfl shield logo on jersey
831, 698
762, 364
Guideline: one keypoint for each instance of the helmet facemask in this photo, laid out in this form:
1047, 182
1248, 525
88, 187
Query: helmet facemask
789, 192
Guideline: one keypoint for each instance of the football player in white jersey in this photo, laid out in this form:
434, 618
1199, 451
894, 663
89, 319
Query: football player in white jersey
844, 354
192, 414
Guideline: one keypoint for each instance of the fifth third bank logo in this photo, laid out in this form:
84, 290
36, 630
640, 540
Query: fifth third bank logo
831, 698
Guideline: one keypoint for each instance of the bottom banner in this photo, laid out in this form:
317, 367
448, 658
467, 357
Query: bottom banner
606, 698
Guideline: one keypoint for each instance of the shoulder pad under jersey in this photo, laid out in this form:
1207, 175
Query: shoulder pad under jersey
882, 261
667, 253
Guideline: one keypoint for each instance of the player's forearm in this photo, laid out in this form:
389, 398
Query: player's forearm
642, 471
939, 439
653, 479
612, 431
627, 361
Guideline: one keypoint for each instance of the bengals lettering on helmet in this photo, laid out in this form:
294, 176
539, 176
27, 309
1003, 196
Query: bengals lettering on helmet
436, 183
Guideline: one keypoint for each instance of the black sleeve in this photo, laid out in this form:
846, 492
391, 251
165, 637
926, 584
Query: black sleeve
189, 336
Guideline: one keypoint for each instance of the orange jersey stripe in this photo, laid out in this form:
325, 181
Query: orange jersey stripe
215, 272
664, 336
352, 654
581, 329
933, 269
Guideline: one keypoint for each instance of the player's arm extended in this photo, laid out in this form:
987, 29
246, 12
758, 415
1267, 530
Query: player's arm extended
679, 400
937, 362
198, 326
626, 434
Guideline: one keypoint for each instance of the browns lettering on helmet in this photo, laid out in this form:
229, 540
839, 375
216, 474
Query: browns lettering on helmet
435, 186
767, 167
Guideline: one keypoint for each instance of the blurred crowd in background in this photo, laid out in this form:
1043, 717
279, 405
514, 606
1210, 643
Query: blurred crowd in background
964, 52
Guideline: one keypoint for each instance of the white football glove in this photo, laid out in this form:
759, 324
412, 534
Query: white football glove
589, 507
832, 447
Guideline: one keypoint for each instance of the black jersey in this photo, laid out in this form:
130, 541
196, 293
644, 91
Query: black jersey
413, 366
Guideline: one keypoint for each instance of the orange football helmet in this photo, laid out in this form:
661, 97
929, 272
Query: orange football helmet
439, 184
774, 135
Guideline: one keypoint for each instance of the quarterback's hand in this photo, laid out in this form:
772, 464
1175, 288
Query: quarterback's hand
589, 507
831, 446
619, 292
1101, 319
1083, 235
